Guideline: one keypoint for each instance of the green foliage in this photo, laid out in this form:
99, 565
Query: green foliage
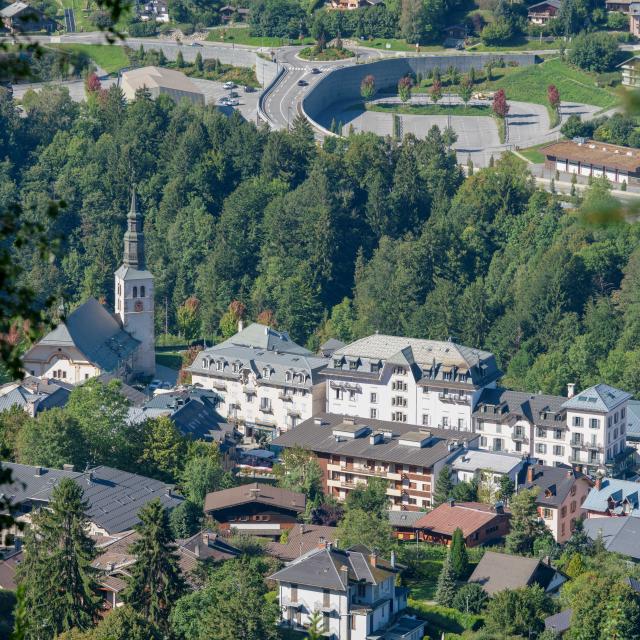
369, 529
8, 601
203, 474
458, 555
316, 624
470, 598
594, 51
444, 486
445, 619
122, 623
12, 423
525, 525
156, 580
164, 449
446, 591
497, 32
184, 519
299, 471
57, 560
465, 491
371, 498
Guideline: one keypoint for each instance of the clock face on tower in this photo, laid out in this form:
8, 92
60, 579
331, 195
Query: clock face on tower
138, 305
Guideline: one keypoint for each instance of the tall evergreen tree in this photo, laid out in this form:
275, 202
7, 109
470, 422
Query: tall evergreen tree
156, 580
56, 577
444, 486
525, 526
458, 555
446, 590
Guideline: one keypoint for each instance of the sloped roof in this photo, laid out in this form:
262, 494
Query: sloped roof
516, 404
621, 535
322, 568
559, 622
115, 497
403, 519
160, 77
468, 516
95, 333
633, 419
600, 397
613, 492
554, 483
14, 9
595, 153
552, 3
475, 459
301, 540
255, 492
261, 336
499, 571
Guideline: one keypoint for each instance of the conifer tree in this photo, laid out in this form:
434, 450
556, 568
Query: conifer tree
156, 580
444, 486
525, 527
446, 591
458, 555
56, 577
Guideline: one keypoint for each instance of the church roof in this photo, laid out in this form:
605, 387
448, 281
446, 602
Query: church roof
129, 273
96, 334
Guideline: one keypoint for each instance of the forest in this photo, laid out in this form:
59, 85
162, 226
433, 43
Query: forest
358, 235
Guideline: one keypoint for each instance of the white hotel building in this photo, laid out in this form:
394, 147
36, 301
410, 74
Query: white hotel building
445, 385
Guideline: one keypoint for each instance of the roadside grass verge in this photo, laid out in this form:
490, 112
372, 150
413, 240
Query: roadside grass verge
533, 154
241, 35
110, 57
430, 109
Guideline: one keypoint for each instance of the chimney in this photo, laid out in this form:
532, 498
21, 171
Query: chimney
205, 538
240, 325
373, 559
499, 506
197, 550
598, 483
530, 473
67, 467
571, 389
301, 529
393, 559
569, 473
322, 544
452, 502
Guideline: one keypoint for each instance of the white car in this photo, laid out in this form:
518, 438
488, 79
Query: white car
224, 101
233, 102
229, 85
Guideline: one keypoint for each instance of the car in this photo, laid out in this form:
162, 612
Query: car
248, 89
224, 101
233, 94
315, 70
302, 83
233, 102
155, 384
196, 44
229, 85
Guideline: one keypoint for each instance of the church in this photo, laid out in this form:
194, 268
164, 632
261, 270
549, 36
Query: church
92, 341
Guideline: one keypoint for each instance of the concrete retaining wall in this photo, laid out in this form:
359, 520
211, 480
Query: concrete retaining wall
266, 71
343, 85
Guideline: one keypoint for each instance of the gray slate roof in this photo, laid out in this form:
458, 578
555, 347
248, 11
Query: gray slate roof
620, 535
600, 397
614, 494
114, 496
319, 438
42, 394
499, 571
633, 420
503, 404
321, 568
404, 519
559, 622
552, 3
554, 483
476, 460
260, 336
96, 334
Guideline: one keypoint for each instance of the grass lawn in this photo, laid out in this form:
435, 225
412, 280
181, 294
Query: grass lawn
397, 44
526, 45
110, 57
444, 620
430, 109
170, 359
330, 53
533, 154
240, 35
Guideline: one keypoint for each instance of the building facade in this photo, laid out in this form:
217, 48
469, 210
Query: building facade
407, 380
351, 450
266, 382
161, 81
541, 12
354, 590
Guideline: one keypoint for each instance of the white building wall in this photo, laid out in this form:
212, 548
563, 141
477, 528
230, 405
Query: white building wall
67, 364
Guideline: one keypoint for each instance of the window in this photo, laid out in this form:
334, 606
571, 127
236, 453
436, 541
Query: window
337, 363
142, 291
573, 506
205, 363
483, 441
573, 490
480, 425
541, 447
235, 367
219, 365
373, 413
518, 447
266, 372
557, 434
558, 450
609, 422
425, 389
352, 396
265, 404
353, 365
460, 423
497, 444
374, 367
594, 423
445, 421
623, 412
338, 394
374, 398
622, 429
563, 528
426, 419
563, 512
287, 376
615, 417
577, 421
541, 433
547, 514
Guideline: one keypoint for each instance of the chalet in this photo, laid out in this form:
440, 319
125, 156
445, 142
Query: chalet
480, 523
541, 12
622, 6
255, 509
300, 540
21, 17
233, 14
589, 158
403, 523
499, 571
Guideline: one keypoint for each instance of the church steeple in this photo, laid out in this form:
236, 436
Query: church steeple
134, 237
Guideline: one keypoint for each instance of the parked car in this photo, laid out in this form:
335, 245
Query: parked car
315, 70
224, 101
155, 384
196, 44
233, 102
233, 94
248, 89
302, 83
229, 85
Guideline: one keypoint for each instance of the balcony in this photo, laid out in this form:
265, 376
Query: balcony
285, 397
451, 398
592, 446
519, 437
266, 409
392, 491
249, 391
218, 385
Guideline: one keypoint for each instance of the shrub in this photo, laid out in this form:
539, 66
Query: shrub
617, 21
141, 29
498, 32
594, 51
470, 598
187, 28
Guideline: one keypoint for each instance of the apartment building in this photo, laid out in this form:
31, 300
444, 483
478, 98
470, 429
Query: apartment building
587, 430
266, 382
354, 590
406, 380
351, 450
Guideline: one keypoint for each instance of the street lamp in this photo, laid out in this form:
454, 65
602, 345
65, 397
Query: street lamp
288, 119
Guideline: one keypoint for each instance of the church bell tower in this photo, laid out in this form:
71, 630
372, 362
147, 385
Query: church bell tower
134, 305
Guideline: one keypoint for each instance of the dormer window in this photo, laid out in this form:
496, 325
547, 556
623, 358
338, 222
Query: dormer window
135, 292
205, 363
265, 373
218, 365
353, 365
287, 376
235, 367
374, 367
337, 363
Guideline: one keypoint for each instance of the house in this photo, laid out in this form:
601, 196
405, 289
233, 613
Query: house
480, 523
622, 6
115, 559
613, 498
156, 10
630, 70
542, 12
266, 382
21, 17
34, 394
590, 158
487, 467
233, 14
559, 623
91, 341
300, 540
160, 81
403, 523
586, 430
499, 571
328, 348
618, 535
561, 494
406, 380
354, 589
115, 497
351, 450
634, 18
255, 509
8, 566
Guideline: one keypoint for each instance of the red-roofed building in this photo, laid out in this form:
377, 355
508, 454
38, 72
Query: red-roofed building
480, 523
